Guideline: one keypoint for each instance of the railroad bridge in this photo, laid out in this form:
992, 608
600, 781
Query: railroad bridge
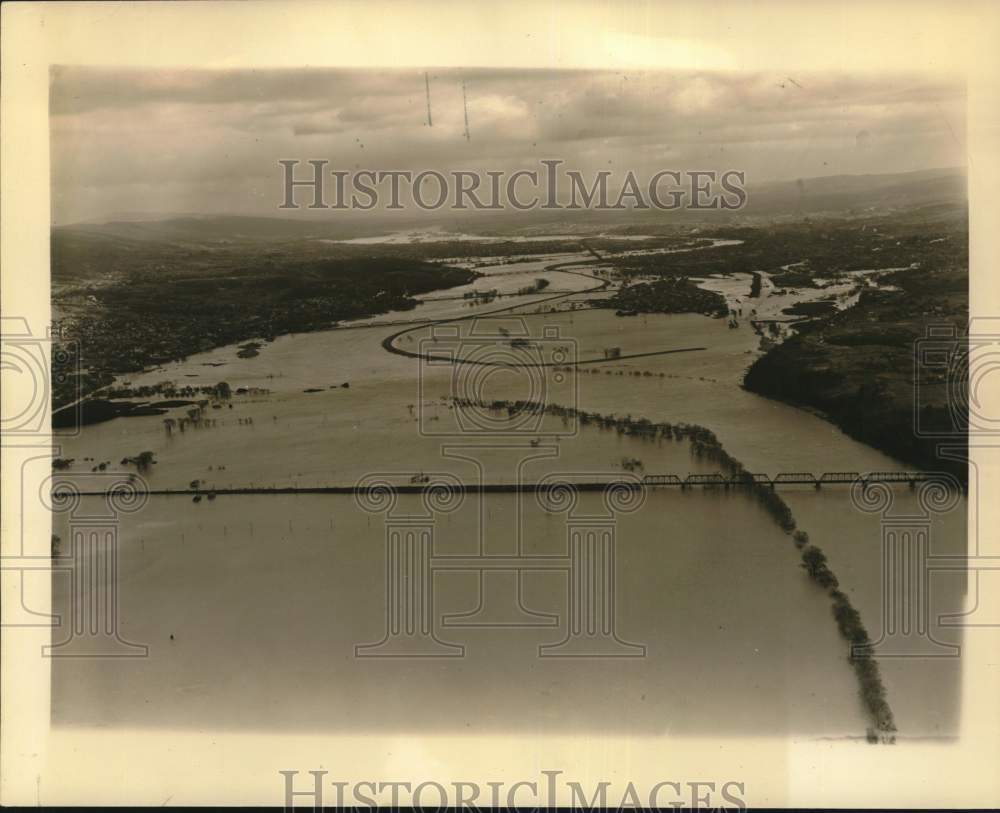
789, 478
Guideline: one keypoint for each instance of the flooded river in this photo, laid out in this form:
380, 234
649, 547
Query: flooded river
252, 606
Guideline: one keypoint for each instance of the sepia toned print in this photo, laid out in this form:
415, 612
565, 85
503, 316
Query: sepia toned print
562, 419
429, 407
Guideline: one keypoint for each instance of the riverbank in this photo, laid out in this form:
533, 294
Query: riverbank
146, 319
857, 368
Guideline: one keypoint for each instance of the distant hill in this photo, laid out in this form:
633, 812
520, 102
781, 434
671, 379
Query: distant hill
215, 229
859, 193
94, 251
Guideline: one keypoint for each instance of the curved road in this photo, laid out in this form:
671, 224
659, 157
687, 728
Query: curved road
388, 343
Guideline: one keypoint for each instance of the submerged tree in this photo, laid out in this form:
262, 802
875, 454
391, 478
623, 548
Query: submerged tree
705, 445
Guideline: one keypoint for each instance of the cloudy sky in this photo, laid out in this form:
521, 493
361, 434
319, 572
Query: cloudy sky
154, 142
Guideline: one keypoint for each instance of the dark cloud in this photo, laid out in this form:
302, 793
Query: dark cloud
210, 140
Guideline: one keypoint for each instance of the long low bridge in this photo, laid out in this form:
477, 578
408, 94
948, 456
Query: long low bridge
710, 480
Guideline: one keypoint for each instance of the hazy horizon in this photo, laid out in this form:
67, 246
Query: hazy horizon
415, 218
169, 143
